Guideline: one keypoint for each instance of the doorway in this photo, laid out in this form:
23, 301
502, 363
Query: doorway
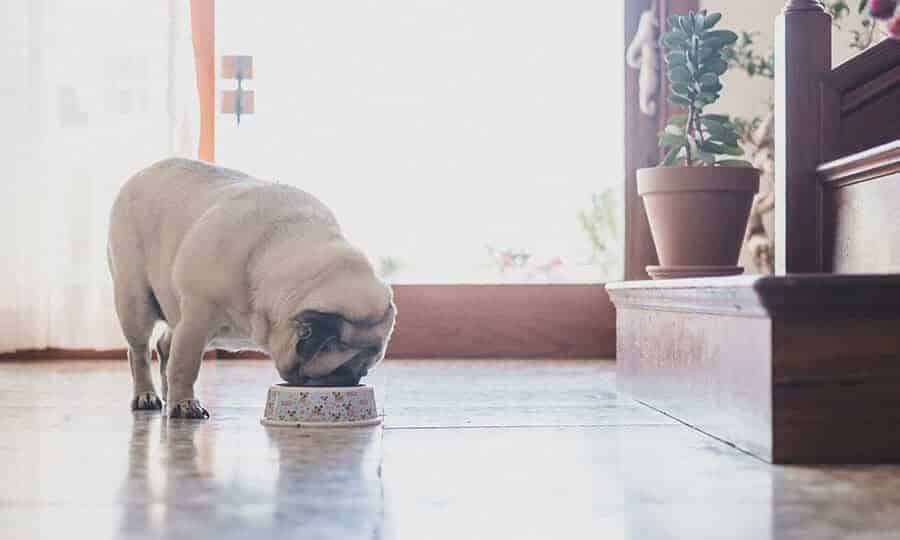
470, 196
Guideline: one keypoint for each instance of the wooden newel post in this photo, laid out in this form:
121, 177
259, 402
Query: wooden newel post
802, 59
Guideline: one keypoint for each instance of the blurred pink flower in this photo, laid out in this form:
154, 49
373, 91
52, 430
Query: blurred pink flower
893, 27
882, 9
556, 261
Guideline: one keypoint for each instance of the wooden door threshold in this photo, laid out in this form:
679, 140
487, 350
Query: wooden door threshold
792, 369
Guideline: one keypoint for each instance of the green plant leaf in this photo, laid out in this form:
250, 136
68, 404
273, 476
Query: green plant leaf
721, 118
706, 157
733, 150
734, 163
714, 65
677, 120
675, 39
674, 129
705, 98
681, 89
668, 139
715, 148
676, 58
679, 74
670, 41
724, 37
711, 20
719, 129
672, 156
707, 52
687, 24
723, 135
712, 123
679, 100
726, 142
709, 79
699, 21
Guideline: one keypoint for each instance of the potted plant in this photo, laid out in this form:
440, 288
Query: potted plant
698, 200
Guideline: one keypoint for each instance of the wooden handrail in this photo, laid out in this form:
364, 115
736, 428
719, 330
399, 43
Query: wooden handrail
866, 165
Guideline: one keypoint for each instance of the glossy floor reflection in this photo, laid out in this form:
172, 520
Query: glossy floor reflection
469, 449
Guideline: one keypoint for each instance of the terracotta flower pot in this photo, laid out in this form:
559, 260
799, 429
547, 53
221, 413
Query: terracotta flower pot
698, 216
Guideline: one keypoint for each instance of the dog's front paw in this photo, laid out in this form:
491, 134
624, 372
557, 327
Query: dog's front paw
146, 401
187, 408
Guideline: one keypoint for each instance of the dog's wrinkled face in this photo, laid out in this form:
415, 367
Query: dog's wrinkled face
330, 350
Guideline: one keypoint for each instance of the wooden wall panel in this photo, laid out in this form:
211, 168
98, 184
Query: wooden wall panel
872, 118
862, 229
862, 106
482, 321
473, 321
866, 222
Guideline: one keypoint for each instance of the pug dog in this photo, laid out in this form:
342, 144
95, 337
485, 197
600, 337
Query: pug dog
229, 261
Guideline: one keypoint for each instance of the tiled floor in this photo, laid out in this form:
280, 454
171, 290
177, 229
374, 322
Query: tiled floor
469, 449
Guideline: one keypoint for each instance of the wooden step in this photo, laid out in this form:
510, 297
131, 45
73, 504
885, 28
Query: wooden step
793, 369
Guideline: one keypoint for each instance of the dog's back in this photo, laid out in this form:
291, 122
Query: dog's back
175, 208
170, 195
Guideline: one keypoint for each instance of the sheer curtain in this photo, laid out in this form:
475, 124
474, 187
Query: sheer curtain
92, 91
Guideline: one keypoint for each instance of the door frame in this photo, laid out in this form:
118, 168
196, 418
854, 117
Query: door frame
641, 149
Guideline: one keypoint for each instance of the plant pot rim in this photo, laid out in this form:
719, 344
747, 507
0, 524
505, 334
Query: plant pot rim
684, 179
699, 167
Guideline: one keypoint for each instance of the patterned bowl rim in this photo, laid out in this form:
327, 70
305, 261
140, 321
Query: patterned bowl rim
294, 389
362, 392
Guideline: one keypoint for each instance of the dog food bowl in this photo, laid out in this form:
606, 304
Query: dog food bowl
320, 406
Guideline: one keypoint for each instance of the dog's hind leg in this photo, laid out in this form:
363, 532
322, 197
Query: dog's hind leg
138, 312
163, 347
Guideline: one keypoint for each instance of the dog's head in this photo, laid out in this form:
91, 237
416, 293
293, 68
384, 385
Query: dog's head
335, 351
338, 330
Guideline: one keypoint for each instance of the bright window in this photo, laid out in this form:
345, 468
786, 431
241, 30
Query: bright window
457, 142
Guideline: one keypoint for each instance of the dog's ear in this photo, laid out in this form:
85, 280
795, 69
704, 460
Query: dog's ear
314, 330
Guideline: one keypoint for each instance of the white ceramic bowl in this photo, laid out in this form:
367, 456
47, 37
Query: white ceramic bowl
320, 406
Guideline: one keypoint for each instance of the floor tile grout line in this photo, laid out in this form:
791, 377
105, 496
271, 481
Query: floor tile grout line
528, 426
705, 433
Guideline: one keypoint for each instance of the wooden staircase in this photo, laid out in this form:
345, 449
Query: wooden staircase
798, 369
803, 367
